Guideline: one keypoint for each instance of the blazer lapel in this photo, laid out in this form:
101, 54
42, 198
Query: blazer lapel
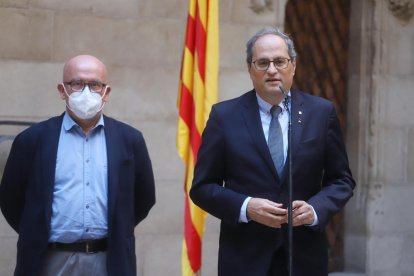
114, 159
297, 110
298, 113
48, 153
254, 126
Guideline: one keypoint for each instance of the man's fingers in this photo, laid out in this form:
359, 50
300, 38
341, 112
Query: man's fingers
302, 213
274, 215
266, 212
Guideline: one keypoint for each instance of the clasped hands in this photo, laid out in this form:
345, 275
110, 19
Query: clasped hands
274, 215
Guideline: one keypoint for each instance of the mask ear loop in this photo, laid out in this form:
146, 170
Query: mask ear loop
66, 102
103, 103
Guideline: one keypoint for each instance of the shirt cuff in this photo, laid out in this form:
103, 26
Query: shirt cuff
243, 211
315, 221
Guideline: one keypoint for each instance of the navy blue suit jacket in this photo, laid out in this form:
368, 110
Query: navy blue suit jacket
26, 192
234, 162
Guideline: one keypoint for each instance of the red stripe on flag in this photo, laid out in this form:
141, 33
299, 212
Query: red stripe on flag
187, 113
190, 35
200, 45
186, 106
192, 239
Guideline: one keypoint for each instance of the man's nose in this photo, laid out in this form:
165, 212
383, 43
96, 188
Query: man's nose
272, 68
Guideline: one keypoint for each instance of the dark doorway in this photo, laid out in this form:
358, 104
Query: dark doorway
320, 31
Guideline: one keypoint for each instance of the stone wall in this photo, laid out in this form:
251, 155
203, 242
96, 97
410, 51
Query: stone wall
141, 42
379, 220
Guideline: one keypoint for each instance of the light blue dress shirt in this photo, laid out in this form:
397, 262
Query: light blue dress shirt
80, 195
266, 117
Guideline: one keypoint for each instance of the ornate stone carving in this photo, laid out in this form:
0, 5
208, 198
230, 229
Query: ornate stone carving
403, 9
259, 6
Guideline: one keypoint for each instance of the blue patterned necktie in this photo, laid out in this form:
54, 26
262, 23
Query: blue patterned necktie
275, 139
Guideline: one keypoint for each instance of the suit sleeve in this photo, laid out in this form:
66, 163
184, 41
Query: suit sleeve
13, 183
337, 183
208, 191
144, 181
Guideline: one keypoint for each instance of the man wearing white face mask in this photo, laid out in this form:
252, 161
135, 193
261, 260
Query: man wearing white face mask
75, 186
86, 102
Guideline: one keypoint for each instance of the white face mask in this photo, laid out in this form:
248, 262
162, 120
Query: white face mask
85, 104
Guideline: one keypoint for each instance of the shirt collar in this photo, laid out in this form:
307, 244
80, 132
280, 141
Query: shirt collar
265, 106
69, 123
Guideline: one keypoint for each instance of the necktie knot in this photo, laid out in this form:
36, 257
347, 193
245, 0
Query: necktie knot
275, 111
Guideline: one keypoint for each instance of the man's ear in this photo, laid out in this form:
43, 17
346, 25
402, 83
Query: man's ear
61, 90
108, 90
294, 66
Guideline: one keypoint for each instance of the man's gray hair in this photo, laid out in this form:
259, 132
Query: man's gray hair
270, 30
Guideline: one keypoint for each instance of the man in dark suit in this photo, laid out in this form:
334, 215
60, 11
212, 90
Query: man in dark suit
75, 186
241, 179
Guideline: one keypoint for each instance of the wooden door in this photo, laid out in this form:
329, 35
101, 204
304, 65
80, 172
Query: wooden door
320, 30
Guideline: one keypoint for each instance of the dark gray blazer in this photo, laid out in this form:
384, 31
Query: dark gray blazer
26, 192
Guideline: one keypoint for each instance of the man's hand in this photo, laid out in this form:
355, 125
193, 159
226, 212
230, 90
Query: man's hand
302, 213
266, 212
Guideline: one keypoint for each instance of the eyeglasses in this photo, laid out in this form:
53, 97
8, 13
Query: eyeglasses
79, 86
263, 64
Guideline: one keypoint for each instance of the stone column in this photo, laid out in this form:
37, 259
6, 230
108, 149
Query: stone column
379, 221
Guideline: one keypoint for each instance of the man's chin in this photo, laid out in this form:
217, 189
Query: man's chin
77, 119
274, 86
275, 91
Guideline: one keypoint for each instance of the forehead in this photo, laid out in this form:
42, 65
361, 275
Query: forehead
270, 45
87, 70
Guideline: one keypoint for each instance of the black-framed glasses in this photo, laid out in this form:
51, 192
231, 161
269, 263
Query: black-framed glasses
263, 64
79, 86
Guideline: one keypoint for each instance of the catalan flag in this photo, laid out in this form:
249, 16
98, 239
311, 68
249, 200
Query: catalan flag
196, 94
